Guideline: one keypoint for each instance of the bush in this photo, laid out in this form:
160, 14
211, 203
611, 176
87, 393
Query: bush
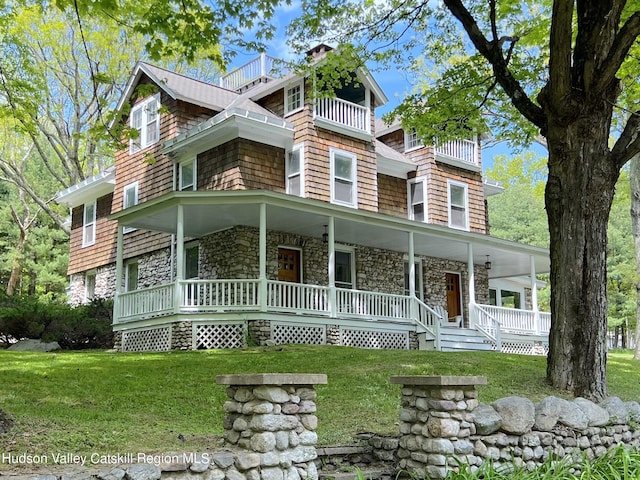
73, 327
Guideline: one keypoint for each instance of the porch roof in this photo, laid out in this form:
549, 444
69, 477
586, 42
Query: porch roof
207, 212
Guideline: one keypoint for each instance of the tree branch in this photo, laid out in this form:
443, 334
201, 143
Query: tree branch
623, 42
493, 53
559, 85
628, 144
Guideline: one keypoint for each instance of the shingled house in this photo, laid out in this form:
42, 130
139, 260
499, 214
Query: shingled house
258, 210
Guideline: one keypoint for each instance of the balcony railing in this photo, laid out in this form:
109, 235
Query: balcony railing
258, 68
460, 150
341, 112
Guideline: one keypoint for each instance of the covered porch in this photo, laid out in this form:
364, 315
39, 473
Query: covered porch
198, 214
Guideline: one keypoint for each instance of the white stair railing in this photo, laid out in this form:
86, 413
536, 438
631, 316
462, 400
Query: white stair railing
486, 324
429, 320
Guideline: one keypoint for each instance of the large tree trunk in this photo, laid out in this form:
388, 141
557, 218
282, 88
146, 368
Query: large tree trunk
634, 180
578, 200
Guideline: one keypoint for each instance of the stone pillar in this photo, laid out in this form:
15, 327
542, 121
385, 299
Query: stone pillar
272, 416
436, 423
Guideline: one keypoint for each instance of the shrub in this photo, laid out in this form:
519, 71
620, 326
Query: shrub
73, 327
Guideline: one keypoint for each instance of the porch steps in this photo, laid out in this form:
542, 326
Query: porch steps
462, 339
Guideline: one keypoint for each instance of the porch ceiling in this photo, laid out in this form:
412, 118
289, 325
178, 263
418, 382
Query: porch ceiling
209, 212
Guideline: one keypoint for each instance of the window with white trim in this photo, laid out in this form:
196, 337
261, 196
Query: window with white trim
89, 286
129, 199
131, 276
458, 205
294, 171
411, 140
345, 268
89, 224
187, 175
293, 98
191, 261
145, 120
343, 178
416, 196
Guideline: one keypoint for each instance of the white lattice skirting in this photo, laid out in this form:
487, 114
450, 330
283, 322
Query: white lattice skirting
374, 339
525, 348
305, 334
151, 340
227, 335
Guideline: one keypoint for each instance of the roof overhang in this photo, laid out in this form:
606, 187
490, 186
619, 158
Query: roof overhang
230, 124
89, 189
492, 187
209, 212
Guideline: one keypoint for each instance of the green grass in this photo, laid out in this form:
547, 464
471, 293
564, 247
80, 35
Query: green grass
86, 402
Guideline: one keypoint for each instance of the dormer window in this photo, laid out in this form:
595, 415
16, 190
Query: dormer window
145, 120
293, 98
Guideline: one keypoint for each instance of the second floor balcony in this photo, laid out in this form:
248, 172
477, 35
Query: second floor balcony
459, 153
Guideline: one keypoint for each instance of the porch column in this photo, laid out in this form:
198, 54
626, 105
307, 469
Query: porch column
119, 270
262, 262
472, 285
412, 278
331, 268
179, 258
534, 296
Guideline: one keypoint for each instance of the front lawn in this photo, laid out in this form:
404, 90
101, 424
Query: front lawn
86, 402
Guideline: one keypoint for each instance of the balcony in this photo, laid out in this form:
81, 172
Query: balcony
259, 70
459, 153
341, 113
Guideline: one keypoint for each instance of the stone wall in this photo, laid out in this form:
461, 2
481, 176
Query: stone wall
105, 284
442, 425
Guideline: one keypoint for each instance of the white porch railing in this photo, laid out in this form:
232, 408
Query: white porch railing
463, 150
218, 295
145, 303
344, 113
260, 67
215, 296
373, 305
518, 321
297, 297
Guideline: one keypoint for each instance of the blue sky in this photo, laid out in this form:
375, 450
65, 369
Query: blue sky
394, 83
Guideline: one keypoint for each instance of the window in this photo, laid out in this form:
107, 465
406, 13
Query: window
191, 261
505, 298
416, 198
293, 98
417, 277
89, 224
89, 286
411, 140
294, 171
145, 120
131, 276
458, 205
129, 199
343, 178
345, 268
187, 174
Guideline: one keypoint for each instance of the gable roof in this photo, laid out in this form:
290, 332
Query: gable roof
179, 87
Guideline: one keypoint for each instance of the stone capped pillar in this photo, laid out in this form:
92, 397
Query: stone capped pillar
436, 423
272, 416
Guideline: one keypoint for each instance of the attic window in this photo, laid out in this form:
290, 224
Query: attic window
411, 140
145, 119
293, 97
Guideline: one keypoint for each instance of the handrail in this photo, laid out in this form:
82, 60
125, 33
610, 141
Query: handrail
436, 319
259, 67
484, 328
463, 150
144, 303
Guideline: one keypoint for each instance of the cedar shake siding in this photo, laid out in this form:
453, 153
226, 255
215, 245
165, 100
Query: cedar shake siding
242, 165
392, 196
103, 251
